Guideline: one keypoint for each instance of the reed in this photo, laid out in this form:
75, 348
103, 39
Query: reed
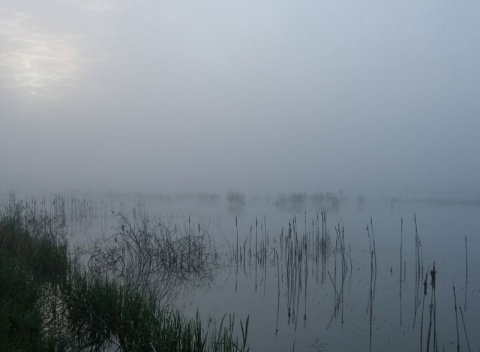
433, 273
297, 251
418, 270
256, 252
425, 288
236, 227
464, 329
400, 268
373, 277
278, 293
60, 305
466, 273
456, 319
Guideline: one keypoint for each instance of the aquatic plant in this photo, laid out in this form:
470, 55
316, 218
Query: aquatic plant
151, 253
49, 301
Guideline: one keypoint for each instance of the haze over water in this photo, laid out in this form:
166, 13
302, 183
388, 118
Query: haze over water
264, 97
317, 272
373, 104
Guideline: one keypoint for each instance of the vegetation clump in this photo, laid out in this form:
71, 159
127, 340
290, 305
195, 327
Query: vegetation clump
49, 302
236, 202
154, 255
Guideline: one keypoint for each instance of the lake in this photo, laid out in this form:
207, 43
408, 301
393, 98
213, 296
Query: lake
319, 272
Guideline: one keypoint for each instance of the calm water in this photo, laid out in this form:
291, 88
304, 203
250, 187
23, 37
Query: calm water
322, 286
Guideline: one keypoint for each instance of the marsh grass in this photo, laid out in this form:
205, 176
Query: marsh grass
373, 277
19, 318
466, 273
148, 253
419, 270
433, 312
295, 256
49, 302
28, 261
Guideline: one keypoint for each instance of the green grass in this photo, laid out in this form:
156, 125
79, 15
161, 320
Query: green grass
48, 302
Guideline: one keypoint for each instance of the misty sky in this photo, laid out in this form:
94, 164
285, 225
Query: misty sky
260, 96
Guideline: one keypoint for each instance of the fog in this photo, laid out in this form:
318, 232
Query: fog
257, 96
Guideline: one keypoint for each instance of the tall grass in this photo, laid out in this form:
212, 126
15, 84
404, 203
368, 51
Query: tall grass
28, 261
49, 302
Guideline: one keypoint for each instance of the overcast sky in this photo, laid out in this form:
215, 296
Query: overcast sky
259, 96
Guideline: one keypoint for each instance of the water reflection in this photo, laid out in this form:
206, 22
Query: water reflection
302, 281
